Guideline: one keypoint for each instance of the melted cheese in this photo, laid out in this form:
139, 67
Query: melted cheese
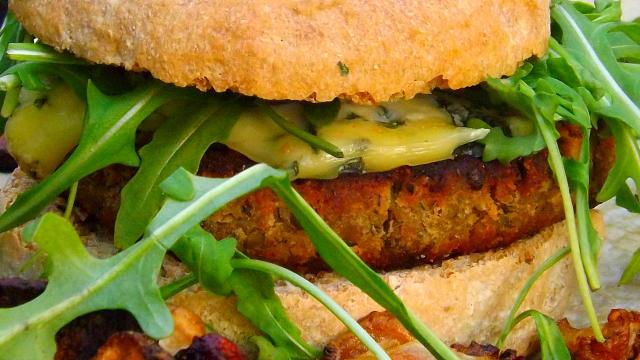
372, 138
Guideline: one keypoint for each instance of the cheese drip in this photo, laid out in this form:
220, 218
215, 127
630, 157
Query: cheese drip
372, 138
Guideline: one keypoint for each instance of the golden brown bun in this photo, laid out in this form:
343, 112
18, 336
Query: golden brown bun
463, 299
290, 49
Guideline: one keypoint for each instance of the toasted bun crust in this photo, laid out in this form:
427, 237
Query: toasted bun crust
463, 299
290, 49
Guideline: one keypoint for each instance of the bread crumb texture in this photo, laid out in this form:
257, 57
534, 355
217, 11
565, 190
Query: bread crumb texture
366, 51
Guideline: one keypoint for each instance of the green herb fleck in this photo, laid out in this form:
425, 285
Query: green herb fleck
344, 70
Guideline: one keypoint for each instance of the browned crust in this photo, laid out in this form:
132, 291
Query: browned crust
396, 219
399, 344
131, 346
385, 329
290, 49
621, 333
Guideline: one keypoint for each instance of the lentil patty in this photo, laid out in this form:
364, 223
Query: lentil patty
395, 219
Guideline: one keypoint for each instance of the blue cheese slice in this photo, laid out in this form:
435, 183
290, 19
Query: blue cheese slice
372, 138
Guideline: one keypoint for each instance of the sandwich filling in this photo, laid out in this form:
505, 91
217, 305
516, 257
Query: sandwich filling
337, 185
410, 187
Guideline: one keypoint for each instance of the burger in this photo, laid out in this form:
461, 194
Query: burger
389, 119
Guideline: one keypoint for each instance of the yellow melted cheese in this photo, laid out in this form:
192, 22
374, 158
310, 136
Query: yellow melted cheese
372, 138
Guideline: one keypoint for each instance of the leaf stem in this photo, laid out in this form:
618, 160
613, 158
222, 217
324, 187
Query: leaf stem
314, 141
585, 228
31, 261
171, 289
41, 53
546, 265
11, 98
71, 199
552, 345
319, 295
555, 160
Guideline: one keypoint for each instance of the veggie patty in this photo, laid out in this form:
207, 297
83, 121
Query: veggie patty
396, 219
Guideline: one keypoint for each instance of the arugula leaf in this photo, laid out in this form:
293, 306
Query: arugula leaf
212, 194
580, 79
267, 351
632, 269
498, 146
545, 109
587, 41
208, 258
330, 304
552, 345
212, 261
627, 199
627, 163
608, 50
590, 242
257, 300
542, 105
78, 284
108, 138
511, 318
11, 32
212, 265
180, 142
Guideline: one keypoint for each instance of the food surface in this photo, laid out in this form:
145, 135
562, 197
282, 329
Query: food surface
621, 331
503, 271
289, 49
225, 144
395, 219
371, 138
445, 296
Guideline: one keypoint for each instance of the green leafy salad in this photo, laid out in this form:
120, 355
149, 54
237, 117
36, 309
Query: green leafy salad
590, 77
